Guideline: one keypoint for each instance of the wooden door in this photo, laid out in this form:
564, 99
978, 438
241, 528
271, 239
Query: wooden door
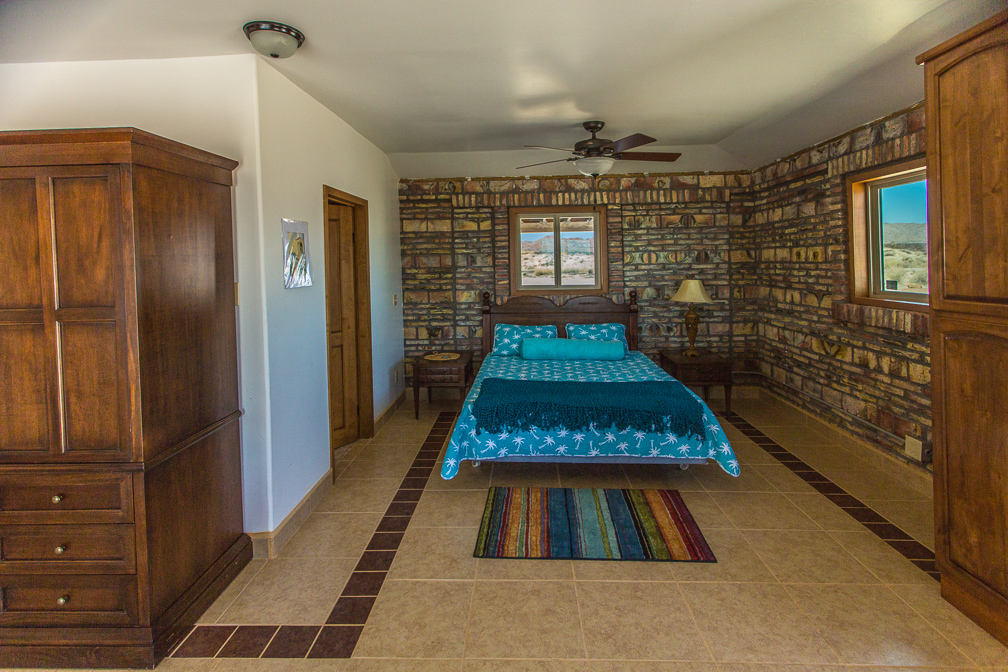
341, 323
967, 116
62, 335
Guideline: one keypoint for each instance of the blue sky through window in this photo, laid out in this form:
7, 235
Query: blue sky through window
905, 203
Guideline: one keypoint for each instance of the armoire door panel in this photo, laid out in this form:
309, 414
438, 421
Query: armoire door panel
90, 387
21, 279
24, 409
186, 319
86, 231
974, 371
973, 109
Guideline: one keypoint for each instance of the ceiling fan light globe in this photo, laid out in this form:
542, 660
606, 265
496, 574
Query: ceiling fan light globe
593, 166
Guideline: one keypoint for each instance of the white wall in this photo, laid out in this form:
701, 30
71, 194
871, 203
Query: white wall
305, 146
215, 103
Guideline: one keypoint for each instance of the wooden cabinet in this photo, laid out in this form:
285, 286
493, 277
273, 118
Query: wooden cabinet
120, 464
967, 117
431, 370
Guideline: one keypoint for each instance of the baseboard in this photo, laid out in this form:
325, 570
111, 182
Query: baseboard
387, 414
266, 545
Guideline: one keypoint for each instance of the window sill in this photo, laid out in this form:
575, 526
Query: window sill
906, 318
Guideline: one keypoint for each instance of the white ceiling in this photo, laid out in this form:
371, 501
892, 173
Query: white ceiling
454, 87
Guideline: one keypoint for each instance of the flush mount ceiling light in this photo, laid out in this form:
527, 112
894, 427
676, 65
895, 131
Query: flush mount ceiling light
276, 40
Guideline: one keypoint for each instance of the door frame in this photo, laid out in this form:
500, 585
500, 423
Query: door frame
362, 296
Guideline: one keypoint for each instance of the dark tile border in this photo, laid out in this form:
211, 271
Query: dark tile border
909, 548
338, 637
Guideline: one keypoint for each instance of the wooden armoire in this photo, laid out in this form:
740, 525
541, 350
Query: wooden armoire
967, 172
120, 462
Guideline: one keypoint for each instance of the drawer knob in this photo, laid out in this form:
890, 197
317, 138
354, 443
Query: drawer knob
62, 600
56, 499
59, 549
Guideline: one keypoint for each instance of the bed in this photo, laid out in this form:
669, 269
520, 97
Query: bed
591, 443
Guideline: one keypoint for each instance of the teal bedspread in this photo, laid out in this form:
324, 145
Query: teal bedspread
470, 442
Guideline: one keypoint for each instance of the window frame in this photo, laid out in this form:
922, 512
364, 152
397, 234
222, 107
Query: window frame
601, 252
864, 259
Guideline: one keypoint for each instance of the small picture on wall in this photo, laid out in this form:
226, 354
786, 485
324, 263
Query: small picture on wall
297, 269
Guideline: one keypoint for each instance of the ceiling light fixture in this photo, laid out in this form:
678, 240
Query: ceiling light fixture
276, 40
593, 166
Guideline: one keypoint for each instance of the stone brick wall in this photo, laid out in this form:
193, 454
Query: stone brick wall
769, 245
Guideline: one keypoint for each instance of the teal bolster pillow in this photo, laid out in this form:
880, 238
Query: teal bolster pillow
570, 348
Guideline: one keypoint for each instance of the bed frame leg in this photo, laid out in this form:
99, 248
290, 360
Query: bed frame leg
475, 464
684, 467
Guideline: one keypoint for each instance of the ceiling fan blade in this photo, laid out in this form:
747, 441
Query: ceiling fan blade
545, 147
630, 141
668, 157
543, 163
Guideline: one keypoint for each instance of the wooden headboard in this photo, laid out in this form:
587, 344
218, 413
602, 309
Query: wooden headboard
532, 310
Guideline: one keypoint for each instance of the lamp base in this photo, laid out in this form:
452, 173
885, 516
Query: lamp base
692, 323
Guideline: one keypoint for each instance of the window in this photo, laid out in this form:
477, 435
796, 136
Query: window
558, 251
887, 212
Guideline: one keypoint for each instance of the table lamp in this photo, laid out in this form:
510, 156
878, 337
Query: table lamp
692, 291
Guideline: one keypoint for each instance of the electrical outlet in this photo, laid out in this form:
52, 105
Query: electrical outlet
395, 299
913, 448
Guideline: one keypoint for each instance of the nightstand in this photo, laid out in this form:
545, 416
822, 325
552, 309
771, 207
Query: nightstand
436, 369
705, 370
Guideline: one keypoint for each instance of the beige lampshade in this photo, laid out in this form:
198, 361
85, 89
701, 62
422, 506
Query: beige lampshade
692, 291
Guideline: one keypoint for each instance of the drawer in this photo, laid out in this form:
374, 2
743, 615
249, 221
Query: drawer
453, 377
73, 600
82, 549
31, 497
705, 373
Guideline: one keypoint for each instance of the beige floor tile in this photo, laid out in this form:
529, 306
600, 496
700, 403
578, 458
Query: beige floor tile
870, 625
417, 619
520, 569
662, 477
393, 453
830, 458
592, 476
450, 508
277, 665
763, 511
476, 665
658, 627
881, 558
236, 586
714, 479
537, 619
401, 433
436, 553
360, 495
915, 517
803, 556
525, 475
966, 635
783, 478
825, 513
291, 591
401, 665
755, 622
650, 666
332, 535
622, 570
181, 665
736, 561
467, 478
777, 667
378, 468
705, 511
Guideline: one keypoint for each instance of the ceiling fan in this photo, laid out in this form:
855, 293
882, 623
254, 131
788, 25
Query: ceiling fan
595, 156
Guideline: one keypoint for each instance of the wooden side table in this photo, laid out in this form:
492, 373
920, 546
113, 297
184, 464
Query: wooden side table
705, 370
456, 372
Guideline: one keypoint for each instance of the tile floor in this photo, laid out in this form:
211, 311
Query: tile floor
800, 584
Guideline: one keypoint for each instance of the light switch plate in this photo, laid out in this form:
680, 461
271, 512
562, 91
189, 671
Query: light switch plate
395, 299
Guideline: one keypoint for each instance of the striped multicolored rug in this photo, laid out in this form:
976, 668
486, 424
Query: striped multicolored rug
589, 524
